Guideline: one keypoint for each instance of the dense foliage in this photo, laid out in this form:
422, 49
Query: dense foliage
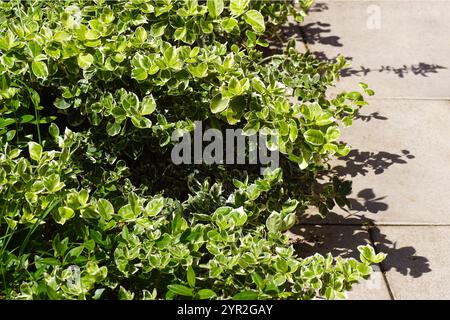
91, 205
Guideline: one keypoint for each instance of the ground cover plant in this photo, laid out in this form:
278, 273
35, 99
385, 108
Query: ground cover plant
91, 205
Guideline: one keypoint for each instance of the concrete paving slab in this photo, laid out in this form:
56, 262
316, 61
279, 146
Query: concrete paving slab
400, 48
418, 261
343, 241
374, 288
278, 41
400, 165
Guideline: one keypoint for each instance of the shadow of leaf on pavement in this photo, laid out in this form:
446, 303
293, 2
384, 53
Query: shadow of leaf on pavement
344, 239
366, 201
318, 33
403, 259
420, 69
341, 234
338, 240
318, 7
359, 162
369, 117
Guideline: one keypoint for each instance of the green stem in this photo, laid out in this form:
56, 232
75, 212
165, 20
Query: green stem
9, 236
271, 57
36, 114
36, 111
36, 224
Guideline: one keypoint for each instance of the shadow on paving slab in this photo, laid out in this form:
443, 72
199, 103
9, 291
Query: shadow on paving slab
277, 43
291, 30
369, 117
343, 240
359, 162
330, 235
368, 202
403, 259
319, 32
338, 240
318, 7
420, 69
316, 235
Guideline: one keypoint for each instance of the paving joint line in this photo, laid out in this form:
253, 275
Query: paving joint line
382, 269
380, 265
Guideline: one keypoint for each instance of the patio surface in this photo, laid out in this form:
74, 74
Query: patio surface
400, 163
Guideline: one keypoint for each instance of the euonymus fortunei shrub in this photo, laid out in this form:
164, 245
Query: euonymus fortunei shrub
91, 206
